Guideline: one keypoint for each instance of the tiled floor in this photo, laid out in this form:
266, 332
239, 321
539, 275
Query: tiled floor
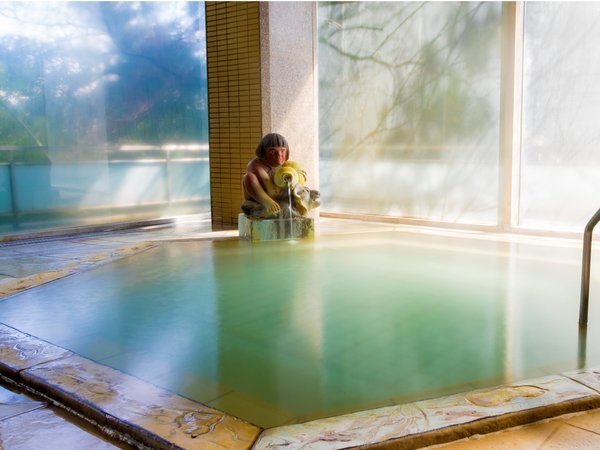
569, 432
28, 423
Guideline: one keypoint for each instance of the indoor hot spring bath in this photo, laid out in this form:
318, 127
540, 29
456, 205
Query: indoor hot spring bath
289, 333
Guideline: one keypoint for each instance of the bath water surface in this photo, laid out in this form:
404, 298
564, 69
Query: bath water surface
279, 333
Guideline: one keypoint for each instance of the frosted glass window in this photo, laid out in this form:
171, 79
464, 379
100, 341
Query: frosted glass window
560, 175
103, 112
409, 109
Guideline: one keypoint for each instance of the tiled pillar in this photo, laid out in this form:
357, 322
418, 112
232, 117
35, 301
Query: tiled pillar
261, 63
234, 102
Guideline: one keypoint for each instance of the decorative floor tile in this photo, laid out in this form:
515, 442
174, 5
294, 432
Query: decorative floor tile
380, 425
524, 438
8, 396
43, 429
463, 408
589, 421
51, 247
571, 438
346, 431
149, 412
14, 409
81, 260
13, 286
20, 351
590, 377
22, 266
12, 404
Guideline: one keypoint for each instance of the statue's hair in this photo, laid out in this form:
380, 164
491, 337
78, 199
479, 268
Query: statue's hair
272, 140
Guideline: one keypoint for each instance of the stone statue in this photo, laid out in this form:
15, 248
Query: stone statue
272, 182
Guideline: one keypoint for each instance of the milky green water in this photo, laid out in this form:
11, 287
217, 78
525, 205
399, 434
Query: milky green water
283, 332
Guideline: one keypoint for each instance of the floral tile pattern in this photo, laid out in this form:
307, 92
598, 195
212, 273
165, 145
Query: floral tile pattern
20, 351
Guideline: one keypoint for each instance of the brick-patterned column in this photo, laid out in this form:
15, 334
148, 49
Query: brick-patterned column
234, 102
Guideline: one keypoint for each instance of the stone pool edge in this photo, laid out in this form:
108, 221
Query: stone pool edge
15, 286
119, 405
45, 368
143, 415
444, 419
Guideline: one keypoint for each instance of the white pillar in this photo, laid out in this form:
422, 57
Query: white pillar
289, 79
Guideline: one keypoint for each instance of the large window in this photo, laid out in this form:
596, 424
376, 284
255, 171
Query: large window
411, 101
103, 112
560, 182
409, 109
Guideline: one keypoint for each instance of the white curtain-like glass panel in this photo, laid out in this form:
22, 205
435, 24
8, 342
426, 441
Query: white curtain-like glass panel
560, 174
103, 113
409, 109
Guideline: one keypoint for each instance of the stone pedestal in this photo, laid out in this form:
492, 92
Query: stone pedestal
275, 229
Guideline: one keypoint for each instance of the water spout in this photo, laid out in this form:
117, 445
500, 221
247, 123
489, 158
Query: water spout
289, 189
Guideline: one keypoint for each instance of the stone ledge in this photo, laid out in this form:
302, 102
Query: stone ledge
486, 425
257, 230
14, 286
115, 401
20, 351
158, 418
438, 420
150, 415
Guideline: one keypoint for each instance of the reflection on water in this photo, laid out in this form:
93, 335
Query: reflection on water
277, 332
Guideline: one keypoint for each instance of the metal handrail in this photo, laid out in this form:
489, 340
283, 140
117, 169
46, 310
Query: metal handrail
585, 268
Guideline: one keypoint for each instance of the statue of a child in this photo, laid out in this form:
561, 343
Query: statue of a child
265, 190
